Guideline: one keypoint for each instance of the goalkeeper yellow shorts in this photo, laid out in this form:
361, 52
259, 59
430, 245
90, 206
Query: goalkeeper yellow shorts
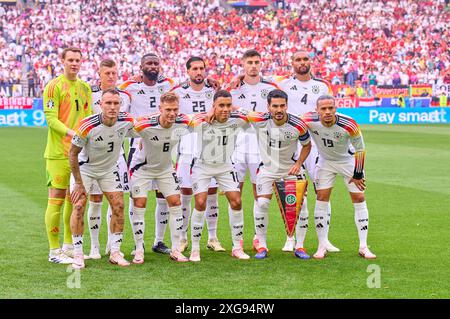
58, 173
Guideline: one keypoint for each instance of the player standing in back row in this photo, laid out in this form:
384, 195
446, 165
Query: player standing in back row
334, 133
196, 96
145, 101
303, 91
251, 95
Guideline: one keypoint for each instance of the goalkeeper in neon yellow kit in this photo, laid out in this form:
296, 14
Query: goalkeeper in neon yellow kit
67, 100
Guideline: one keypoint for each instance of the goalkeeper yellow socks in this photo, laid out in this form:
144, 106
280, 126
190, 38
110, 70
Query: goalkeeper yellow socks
66, 215
52, 220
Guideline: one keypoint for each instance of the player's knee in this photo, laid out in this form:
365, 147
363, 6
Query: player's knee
173, 201
358, 197
80, 205
200, 204
236, 203
263, 203
323, 196
139, 202
119, 206
96, 198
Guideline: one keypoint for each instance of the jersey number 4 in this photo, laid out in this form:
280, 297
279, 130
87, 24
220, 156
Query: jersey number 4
304, 99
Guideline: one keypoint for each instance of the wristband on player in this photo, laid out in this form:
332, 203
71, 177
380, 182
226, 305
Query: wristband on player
358, 175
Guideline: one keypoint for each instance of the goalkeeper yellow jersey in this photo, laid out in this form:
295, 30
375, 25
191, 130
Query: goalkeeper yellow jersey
66, 103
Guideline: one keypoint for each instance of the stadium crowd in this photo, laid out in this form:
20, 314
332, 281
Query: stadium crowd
374, 42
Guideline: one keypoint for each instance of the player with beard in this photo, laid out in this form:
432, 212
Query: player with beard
196, 96
145, 101
303, 91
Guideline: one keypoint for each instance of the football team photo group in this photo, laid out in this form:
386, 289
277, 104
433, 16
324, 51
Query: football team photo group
224, 149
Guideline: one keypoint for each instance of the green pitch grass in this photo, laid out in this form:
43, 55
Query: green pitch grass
408, 197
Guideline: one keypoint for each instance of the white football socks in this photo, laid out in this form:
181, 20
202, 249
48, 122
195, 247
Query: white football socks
94, 222
197, 221
186, 207
176, 225
362, 222
161, 219
212, 215
320, 219
237, 226
302, 225
262, 220
138, 226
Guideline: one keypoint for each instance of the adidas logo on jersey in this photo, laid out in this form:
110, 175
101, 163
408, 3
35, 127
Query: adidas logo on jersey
141, 92
98, 139
315, 132
154, 138
242, 96
294, 88
187, 96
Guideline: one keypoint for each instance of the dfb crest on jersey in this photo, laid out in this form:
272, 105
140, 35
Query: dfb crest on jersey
209, 95
120, 133
338, 135
288, 135
315, 89
264, 94
50, 104
160, 89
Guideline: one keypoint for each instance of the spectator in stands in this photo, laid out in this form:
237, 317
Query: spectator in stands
348, 38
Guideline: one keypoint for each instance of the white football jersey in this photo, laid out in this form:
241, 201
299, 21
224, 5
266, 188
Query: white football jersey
278, 144
158, 142
193, 102
97, 92
251, 98
216, 141
302, 96
336, 143
101, 144
145, 99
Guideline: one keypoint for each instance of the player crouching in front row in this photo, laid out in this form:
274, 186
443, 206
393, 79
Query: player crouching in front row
333, 133
216, 132
93, 157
